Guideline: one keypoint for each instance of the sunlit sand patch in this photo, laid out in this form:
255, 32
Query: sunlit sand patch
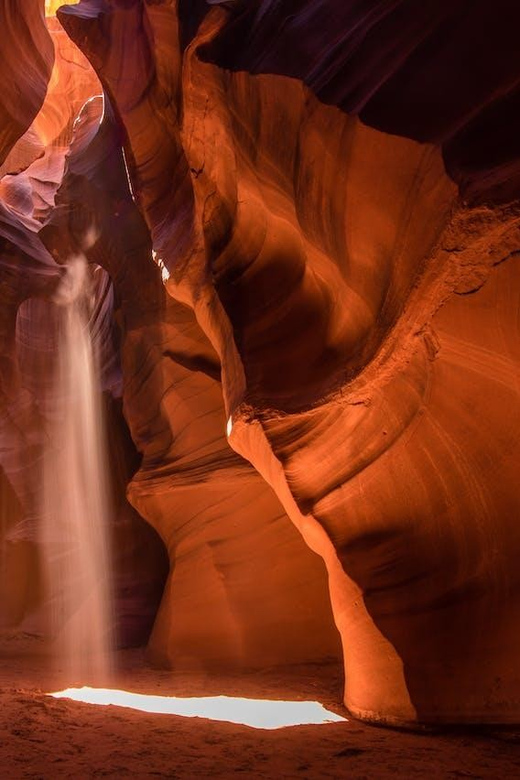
257, 713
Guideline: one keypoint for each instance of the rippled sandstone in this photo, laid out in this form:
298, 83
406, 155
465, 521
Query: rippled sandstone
331, 190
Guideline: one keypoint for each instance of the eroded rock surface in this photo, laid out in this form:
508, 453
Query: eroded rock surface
32, 174
329, 333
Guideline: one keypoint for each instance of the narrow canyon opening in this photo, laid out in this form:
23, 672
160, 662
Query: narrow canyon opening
235, 588
259, 381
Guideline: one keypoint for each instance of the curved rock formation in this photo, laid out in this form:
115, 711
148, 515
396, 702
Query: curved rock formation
243, 589
30, 177
26, 68
331, 190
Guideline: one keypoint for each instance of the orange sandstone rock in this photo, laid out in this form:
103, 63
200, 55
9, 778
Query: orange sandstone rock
332, 193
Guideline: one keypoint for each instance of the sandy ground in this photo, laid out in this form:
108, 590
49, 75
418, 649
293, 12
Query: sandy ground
42, 737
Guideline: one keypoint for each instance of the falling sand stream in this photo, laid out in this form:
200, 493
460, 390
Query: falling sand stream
75, 495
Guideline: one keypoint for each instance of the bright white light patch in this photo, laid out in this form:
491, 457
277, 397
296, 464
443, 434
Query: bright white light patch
257, 713
229, 426
165, 274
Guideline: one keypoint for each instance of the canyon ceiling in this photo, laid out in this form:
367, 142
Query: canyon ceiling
303, 222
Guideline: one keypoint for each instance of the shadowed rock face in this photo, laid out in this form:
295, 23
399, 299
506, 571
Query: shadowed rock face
331, 193
32, 175
231, 597
27, 65
243, 589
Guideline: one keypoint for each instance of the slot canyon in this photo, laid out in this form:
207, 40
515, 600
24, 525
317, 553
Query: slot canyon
260, 377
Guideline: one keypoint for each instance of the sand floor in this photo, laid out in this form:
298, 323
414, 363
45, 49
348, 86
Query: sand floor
42, 737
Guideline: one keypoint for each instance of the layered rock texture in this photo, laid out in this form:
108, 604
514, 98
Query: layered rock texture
309, 213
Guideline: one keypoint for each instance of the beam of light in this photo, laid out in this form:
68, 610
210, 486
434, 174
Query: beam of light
129, 180
257, 713
165, 274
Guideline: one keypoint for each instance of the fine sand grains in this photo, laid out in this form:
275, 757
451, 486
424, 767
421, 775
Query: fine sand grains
42, 737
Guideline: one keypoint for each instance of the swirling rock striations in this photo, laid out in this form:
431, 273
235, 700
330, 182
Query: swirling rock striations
26, 269
331, 193
169, 365
437, 72
30, 178
243, 588
26, 66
